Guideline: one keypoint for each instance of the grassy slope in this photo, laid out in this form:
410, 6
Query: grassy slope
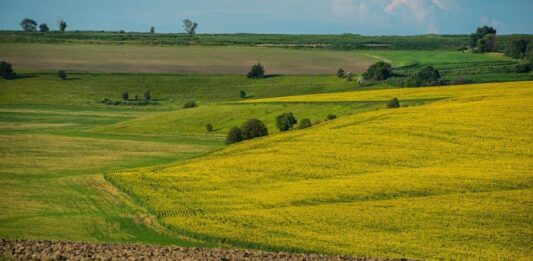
179, 59
52, 162
449, 179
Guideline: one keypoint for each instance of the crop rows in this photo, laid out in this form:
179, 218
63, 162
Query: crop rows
449, 179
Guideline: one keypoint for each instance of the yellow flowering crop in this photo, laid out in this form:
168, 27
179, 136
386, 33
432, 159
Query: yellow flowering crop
451, 179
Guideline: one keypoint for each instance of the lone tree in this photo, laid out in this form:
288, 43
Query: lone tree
426, 76
242, 94
257, 71
234, 135
62, 74
62, 25
28, 25
378, 71
254, 128
190, 104
190, 26
331, 117
340, 72
44, 28
125, 96
152, 29
209, 127
517, 48
394, 103
487, 44
6, 71
305, 123
285, 121
480, 33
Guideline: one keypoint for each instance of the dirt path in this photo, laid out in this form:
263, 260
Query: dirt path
59, 250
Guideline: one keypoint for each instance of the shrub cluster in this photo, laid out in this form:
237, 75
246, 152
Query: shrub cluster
379, 71
331, 117
305, 123
393, 103
427, 76
62, 74
6, 71
190, 104
257, 71
252, 128
285, 121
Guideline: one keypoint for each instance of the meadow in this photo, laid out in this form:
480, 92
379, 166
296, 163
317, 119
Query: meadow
57, 141
447, 176
448, 179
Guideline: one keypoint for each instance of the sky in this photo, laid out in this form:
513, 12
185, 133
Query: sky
366, 17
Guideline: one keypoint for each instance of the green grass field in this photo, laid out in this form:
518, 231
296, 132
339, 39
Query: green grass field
338, 187
57, 142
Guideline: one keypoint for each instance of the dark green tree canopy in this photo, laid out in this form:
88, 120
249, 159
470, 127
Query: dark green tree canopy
234, 135
62, 74
62, 25
257, 71
6, 70
44, 28
305, 123
340, 72
481, 33
285, 121
254, 128
378, 71
28, 25
190, 26
393, 103
517, 48
427, 76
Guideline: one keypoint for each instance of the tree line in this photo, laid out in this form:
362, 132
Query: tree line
30, 25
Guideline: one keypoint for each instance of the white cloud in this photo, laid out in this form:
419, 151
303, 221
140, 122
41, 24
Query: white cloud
422, 11
343, 7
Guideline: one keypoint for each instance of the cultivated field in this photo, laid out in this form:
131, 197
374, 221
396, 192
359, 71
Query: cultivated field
446, 176
179, 59
447, 179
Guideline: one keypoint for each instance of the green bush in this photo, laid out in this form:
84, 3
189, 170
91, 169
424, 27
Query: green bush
209, 127
6, 70
234, 135
379, 71
394, 103
340, 72
190, 104
242, 94
254, 128
285, 121
125, 96
305, 123
257, 71
427, 76
62, 74
331, 117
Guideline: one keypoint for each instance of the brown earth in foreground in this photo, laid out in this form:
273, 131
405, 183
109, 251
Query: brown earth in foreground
60, 250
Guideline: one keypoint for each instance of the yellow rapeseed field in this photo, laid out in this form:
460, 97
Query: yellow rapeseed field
450, 179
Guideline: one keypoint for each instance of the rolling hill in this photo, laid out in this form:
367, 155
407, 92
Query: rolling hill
447, 179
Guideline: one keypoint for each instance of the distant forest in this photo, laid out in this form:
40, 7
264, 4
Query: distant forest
335, 42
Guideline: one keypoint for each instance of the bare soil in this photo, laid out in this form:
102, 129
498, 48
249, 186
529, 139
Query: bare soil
60, 250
